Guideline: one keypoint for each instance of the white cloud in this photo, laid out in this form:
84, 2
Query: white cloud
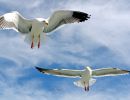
108, 27
77, 44
31, 91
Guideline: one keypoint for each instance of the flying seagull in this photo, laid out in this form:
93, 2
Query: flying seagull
34, 27
86, 75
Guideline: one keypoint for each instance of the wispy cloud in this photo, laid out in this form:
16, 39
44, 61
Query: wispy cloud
102, 41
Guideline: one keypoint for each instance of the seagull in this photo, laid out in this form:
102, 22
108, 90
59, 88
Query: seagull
86, 75
33, 28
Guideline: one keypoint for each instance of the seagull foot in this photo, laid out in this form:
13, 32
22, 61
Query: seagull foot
32, 45
39, 41
39, 44
85, 88
88, 88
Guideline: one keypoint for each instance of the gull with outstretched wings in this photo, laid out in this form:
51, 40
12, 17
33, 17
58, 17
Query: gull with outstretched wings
86, 75
34, 27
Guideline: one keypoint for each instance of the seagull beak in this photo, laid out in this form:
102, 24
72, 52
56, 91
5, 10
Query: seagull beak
46, 23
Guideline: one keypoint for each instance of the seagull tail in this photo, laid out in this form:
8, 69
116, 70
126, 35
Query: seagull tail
92, 81
79, 83
28, 39
82, 83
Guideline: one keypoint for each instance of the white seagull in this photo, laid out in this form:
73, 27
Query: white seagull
34, 27
86, 75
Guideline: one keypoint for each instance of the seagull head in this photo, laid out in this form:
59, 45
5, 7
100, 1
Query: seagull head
88, 68
45, 22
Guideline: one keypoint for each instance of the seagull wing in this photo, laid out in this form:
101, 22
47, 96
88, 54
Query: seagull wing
15, 21
61, 72
109, 72
61, 17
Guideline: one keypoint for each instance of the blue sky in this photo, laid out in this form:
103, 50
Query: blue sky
102, 41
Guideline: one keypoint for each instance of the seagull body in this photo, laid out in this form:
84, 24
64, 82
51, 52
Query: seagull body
86, 75
33, 28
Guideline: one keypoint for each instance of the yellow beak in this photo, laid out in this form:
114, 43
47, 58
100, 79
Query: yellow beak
46, 23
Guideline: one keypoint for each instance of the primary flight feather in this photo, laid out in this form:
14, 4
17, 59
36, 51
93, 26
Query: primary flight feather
35, 27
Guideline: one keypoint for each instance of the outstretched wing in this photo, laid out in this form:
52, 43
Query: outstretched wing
61, 73
64, 17
109, 72
15, 21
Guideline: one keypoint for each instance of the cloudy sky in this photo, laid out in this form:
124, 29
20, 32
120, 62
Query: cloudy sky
102, 41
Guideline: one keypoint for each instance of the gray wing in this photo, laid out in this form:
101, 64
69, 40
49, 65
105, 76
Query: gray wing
109, 72
15, 21
61, 17
61, 72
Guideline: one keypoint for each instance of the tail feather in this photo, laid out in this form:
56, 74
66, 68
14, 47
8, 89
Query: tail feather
28, 38
79, 84
92, 81
83, 84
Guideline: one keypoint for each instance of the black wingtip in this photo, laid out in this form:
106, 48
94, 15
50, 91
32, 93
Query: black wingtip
81, 16
127, 71
39, 69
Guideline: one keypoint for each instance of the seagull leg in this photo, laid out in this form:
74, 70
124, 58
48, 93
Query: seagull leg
88, 88
39, 41
32, 44
85, 88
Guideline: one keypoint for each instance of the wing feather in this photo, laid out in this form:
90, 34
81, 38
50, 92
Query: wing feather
61, 73
15, 21
109, 72
61, 17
